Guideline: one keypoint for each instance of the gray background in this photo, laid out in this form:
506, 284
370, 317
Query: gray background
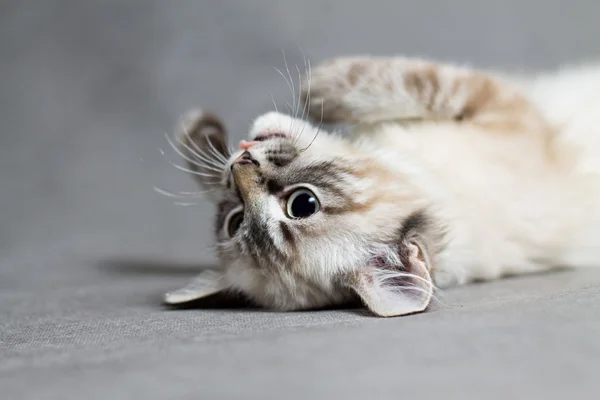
87, 91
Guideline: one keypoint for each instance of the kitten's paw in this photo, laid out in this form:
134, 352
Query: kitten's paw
374, 89
332, 88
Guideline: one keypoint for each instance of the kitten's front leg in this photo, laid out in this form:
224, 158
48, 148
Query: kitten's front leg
376, 89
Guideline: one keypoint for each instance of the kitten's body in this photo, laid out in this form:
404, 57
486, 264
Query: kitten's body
506, 174
513, 201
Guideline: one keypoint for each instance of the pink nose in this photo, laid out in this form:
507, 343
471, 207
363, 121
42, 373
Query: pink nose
246, 145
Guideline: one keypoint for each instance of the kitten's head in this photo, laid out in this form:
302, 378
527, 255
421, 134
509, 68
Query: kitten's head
306, 220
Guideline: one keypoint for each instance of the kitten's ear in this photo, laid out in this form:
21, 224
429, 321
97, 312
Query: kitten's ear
396, 284
207, 283
203, 142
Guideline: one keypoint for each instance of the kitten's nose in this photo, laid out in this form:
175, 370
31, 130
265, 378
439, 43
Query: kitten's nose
246, 145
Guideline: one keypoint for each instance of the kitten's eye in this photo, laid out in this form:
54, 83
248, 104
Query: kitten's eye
302, 204
234, 223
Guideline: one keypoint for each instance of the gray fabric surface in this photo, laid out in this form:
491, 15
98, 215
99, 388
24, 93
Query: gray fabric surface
88, 88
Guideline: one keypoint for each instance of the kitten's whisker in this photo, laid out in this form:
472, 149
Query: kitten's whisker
179, 167
308, 69
299, 91
209, 162
197, 150
289, 106
216, 153
217, 159
291, 109
219, 165
205, 166
274, 104
180, 153
206, 161
183, 193
317, 133
200, 162
289, 84
287, 68
209, 168
188, 135
298, 132
284, 78
185, 204
180, 195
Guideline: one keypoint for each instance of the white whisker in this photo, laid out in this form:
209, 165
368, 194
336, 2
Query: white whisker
187, 134
220, 165
317, 133
308, 70
197, 150
180, 153
294, 111
274, 104
296, 117
208, 162
179, 167
180, 195
287, 103
309, 81
289, 86
290, 107
185, 204
299, 91
216, 152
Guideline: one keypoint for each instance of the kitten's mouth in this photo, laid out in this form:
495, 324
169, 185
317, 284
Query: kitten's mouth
269, 135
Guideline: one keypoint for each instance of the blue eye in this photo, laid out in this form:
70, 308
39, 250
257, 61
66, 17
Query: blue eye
302, 204
234, 222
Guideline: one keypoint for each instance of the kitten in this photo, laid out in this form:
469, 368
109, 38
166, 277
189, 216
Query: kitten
451, 175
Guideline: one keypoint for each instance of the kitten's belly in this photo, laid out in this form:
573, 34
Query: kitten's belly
506, 210
570, 99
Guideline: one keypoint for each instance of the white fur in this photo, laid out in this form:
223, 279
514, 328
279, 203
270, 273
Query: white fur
504, 219
506, 208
